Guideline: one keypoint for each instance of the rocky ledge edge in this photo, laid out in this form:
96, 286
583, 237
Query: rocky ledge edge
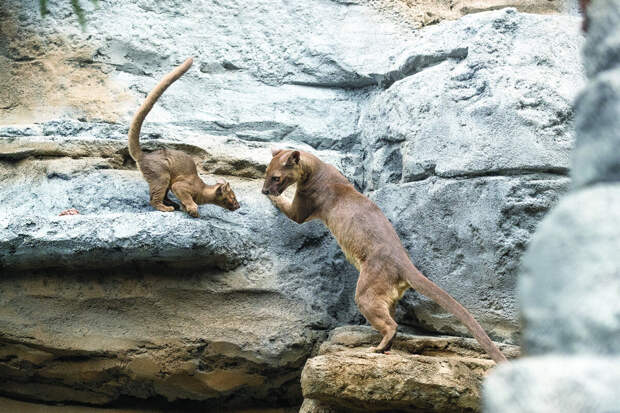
420, 374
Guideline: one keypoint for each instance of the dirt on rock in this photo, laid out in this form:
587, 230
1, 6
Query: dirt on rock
47, 76
420, 13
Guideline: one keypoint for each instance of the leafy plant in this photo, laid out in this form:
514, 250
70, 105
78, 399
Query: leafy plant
77, 9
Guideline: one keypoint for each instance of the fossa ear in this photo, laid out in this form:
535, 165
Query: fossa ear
275, 151
293, 158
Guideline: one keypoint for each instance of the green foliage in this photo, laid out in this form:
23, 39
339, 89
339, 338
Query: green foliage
77, 9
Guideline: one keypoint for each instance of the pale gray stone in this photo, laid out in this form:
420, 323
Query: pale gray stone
602, 49
595, 158
554, 384
570, 283
494, 108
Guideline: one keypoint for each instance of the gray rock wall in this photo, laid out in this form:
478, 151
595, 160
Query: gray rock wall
468, 151
570, 284
460, 132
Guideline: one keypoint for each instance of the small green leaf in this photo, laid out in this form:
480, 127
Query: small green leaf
79, 11
43, 7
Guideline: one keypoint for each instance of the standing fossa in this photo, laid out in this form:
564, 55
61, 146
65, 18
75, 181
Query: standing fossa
169, 169
367, 238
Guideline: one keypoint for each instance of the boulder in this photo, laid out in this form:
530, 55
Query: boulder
420, 374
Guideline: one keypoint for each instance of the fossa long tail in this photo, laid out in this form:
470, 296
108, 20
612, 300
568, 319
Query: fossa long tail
425, 286
138, 118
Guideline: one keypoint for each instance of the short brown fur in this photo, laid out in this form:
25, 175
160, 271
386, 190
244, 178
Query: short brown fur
367, 238
169, 169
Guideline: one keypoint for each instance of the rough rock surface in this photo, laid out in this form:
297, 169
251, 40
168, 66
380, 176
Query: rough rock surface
469, 100
468, 235
467, 153
122, 302
419, 13
421, 374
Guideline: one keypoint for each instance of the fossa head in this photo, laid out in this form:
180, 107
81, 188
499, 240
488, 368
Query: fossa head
225, 197
283, 171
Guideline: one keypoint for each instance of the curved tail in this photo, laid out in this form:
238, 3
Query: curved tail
425, 286
138, 118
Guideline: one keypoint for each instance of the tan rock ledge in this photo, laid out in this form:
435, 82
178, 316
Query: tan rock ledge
421, 373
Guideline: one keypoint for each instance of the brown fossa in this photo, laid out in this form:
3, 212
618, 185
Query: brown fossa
171, 170
367, 238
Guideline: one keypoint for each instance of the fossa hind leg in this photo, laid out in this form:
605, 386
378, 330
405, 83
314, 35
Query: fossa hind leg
158, 188
376, 306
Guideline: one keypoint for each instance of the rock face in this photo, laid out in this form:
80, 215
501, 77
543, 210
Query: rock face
460, 131
121, 300
468, 235
458, 116
468, 150
421, 374
570, 285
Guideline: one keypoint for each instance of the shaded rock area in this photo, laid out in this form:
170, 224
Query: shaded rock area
460, 131
8, 405
420, 374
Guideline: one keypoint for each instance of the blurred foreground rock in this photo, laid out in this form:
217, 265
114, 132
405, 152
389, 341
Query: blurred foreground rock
570, 284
